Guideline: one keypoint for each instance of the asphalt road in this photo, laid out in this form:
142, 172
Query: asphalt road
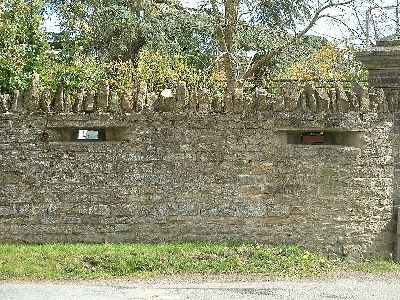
341, 287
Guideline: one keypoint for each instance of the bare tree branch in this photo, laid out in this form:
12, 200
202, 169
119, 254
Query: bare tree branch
317, 15
336, 19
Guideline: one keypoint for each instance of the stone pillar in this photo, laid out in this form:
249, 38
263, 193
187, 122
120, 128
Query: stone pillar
383, 63
396, 183
396, 254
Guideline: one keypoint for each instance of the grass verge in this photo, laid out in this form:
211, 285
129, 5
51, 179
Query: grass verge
86, 261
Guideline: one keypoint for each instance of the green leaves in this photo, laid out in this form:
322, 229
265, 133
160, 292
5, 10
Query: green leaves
281, 14
328, 63
23, 48
119, 30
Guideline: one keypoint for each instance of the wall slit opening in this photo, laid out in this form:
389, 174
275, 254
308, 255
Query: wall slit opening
325, 137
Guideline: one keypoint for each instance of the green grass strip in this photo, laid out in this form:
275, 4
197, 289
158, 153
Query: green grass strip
87, 261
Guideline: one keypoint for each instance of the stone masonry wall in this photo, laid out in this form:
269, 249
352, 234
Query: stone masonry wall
205, 171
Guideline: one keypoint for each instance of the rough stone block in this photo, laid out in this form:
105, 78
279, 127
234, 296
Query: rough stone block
181, 96
343, 102
238, 98
32, 95
141, 96
16, 104
89, 101
126, 101
115, 105
311, 99
102, 97
204, 100
59, 99
79, 98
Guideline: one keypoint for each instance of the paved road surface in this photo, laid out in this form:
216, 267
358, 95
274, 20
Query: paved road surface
343, 287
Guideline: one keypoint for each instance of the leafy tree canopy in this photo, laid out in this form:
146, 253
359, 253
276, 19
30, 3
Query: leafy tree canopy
162, 42
22, 43
118, 29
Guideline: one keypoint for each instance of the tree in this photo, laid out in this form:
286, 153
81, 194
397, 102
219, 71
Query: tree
119, 29
22, 43
216, 36
281, 18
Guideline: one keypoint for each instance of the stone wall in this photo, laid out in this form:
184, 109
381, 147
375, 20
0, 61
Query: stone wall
290, 97
383, 61
188, 166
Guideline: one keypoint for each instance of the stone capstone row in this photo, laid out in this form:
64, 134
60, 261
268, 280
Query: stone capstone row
290, 97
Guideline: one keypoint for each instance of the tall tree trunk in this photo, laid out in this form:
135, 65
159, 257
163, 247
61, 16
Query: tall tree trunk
230, 74
230, 27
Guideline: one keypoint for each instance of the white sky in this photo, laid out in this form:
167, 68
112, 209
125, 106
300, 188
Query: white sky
383, 19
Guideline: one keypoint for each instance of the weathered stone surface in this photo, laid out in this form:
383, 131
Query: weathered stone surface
260, 99
45, 101
228, 103
4, 103
395, 100
59, 99
343, 102
89, 101
378, 100
289, 98
279, 104
323, 100
333, 105
102, 97
291, 93
382, 62
238, 100
204, 100
67, 103
16, 104
354, 104
115, 105
192, 105
361, 96
382, 101
311, 99
216, 104
127, 100
181, 97
249, 105
199, 176
79, 98
32, 95
167, 100
141, 96
302, 102
153, 102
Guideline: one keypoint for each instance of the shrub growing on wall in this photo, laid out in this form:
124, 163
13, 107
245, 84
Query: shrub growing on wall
165, 71
329, 63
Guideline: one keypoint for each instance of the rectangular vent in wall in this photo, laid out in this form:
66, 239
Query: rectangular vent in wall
87, 134
325, 137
